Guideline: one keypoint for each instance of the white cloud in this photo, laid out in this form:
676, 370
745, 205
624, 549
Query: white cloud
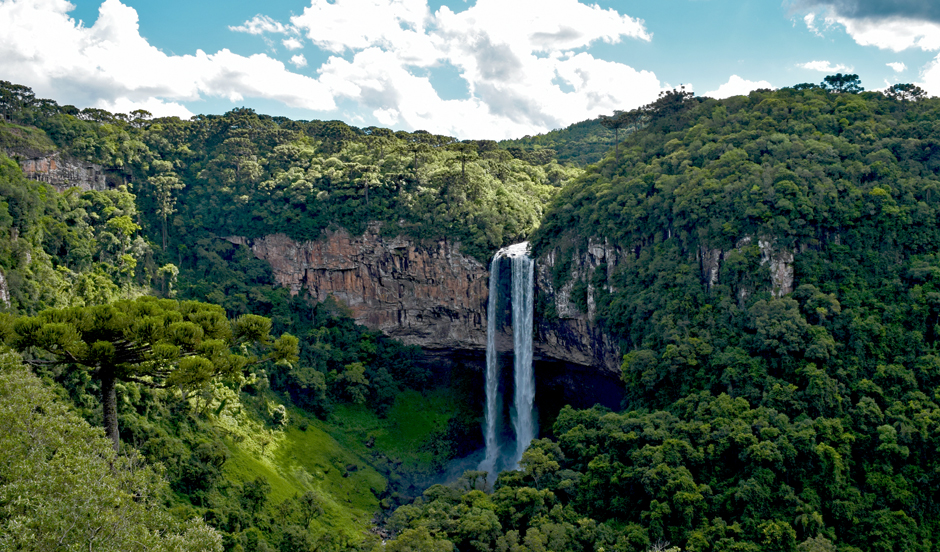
894, 34
260, 24
737, 86
930, 77
508, 54
810, 20
156, 107
899, 67
888, 30
292, 43
824, 67
110, 65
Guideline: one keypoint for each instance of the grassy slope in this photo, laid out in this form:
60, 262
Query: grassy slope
296, 460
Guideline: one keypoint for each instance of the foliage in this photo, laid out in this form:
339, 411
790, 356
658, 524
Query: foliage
157, 342
63, 487
580, 144
248, 174
760, 415
67, 249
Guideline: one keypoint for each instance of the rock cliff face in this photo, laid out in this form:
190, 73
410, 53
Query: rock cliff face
4, 291
60, 171
428, 295
573, 336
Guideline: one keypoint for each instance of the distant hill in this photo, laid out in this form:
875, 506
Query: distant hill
581, 143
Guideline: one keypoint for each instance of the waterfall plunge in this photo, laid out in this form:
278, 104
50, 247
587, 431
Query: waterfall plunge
524, 380
492, 373
523, 415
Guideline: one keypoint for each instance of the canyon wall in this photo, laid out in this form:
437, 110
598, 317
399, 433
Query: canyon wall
423, 294
572, 330
433, 296
60, 171
428, 295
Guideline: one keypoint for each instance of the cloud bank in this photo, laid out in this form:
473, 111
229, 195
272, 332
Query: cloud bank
525, 63
887, 24
737, 86
109, 65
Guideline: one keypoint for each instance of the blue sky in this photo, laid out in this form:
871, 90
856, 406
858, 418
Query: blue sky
474, 69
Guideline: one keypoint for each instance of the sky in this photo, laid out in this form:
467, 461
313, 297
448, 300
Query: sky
482, 69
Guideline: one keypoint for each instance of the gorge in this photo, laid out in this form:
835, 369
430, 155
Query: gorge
430, 294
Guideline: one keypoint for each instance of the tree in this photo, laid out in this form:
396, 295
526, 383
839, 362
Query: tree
62, 487
905, 92
615, 123
156, 342
163, 186
466, 151
14, 98
843, 84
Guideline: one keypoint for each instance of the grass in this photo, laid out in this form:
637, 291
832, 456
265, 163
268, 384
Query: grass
407, 434
316, 458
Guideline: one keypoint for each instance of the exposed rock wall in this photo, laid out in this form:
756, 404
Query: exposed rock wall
61, 171
779, 261
573, 336
427, 295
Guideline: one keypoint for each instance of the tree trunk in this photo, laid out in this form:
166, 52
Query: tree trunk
109, 406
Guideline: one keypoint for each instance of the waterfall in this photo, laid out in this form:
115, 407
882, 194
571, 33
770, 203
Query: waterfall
523, 414
492, 372
524, 380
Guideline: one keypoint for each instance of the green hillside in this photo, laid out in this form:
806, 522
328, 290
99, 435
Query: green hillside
775, 295
757, 417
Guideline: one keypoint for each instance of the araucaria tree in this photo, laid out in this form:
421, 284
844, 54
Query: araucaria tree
156, 342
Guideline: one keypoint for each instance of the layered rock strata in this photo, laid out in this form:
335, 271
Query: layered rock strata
61, 171
428, 295
424, 294
573, 336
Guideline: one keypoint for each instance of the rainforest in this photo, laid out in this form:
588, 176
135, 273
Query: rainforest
250, 333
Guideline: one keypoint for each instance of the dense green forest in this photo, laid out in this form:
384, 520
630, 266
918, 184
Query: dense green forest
760, 414
756, 418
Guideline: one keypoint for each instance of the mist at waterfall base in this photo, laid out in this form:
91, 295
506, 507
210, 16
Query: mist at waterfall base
501, 452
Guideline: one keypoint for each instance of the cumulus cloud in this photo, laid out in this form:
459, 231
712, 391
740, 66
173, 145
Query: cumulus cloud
928, 10
526, 63
110, 65
824, 67
510, 54
887, 24
292, 43
930, 77
260, 24
737, 86
898, 66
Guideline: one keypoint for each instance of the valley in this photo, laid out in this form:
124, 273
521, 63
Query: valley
733, 333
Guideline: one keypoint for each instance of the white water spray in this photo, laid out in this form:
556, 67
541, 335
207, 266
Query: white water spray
523, 416
522, 315
492, 372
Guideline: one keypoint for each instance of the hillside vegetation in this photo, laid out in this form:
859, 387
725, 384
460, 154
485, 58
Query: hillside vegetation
758, 417
761, 414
